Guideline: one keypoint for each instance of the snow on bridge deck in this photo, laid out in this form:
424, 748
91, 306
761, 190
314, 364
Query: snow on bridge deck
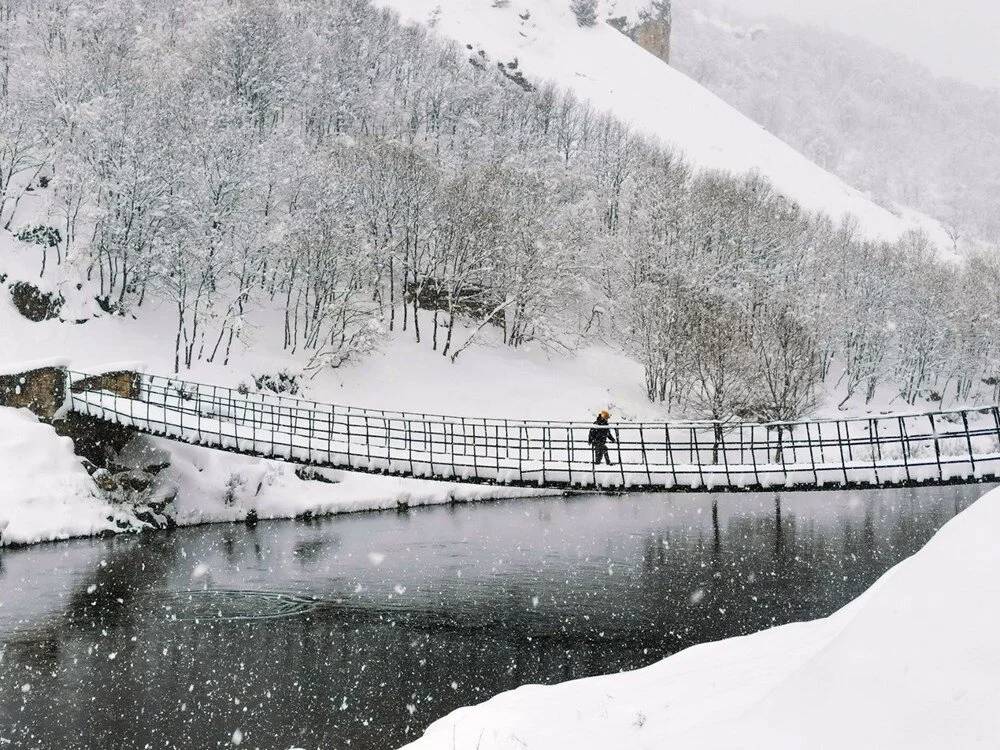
887, 450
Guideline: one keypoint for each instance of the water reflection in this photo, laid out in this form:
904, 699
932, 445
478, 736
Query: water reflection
359, 630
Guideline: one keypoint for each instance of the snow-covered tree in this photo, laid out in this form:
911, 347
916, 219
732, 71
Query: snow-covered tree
323, 165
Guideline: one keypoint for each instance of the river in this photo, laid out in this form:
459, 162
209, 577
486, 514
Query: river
357, 631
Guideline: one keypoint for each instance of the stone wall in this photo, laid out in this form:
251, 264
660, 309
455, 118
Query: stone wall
42, 391
123, 383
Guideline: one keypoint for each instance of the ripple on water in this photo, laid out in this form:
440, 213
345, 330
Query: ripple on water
226, 604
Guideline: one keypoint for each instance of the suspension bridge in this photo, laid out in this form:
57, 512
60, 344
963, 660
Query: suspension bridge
883, 450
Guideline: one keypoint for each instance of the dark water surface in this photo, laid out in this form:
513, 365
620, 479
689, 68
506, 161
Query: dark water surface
358, 631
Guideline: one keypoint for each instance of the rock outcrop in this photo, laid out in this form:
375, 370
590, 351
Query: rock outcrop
651, 29
33, 303
129, 477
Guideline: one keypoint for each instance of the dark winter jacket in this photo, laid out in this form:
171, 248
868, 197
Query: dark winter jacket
601, 433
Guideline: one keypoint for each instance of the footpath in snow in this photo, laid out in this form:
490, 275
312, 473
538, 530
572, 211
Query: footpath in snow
912, 663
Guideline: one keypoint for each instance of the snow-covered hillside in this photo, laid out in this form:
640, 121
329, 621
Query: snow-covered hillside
912, 663
606, 68
491, 380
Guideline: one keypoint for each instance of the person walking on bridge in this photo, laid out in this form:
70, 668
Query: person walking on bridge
600, 435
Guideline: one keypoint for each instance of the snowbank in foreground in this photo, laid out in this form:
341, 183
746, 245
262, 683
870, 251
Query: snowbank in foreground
912, 663
45, 493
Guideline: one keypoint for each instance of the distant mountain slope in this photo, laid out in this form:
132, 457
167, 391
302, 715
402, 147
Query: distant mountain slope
875, 118
606, 68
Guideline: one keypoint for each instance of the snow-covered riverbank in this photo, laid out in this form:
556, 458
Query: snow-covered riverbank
912, 663
46, 494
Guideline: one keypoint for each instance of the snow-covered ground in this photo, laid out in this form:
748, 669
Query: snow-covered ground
607, 69
45, 493
216, 486
912, 663
492, 380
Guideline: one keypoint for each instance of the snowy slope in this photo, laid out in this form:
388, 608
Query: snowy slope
487, 381
912, 663
605, 67
44, 491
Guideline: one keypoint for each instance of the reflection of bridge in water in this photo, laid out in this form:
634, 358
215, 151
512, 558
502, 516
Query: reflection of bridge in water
885, 450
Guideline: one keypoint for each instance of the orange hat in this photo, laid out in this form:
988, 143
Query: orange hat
605, 414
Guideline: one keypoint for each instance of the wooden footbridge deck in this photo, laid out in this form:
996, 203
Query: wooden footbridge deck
875, 451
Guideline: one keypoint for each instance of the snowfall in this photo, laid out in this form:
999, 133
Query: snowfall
600, 65
912, 663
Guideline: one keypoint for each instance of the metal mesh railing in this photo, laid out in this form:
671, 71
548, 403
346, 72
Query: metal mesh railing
878, 450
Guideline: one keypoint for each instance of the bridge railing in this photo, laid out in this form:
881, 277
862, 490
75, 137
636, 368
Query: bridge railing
885, 449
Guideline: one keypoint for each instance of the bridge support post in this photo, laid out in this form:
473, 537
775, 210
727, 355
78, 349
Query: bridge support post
42, 390
124, 383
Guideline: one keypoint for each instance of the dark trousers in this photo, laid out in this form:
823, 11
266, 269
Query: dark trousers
601, 451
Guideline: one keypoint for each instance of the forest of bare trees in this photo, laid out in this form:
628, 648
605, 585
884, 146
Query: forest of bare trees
318, 164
